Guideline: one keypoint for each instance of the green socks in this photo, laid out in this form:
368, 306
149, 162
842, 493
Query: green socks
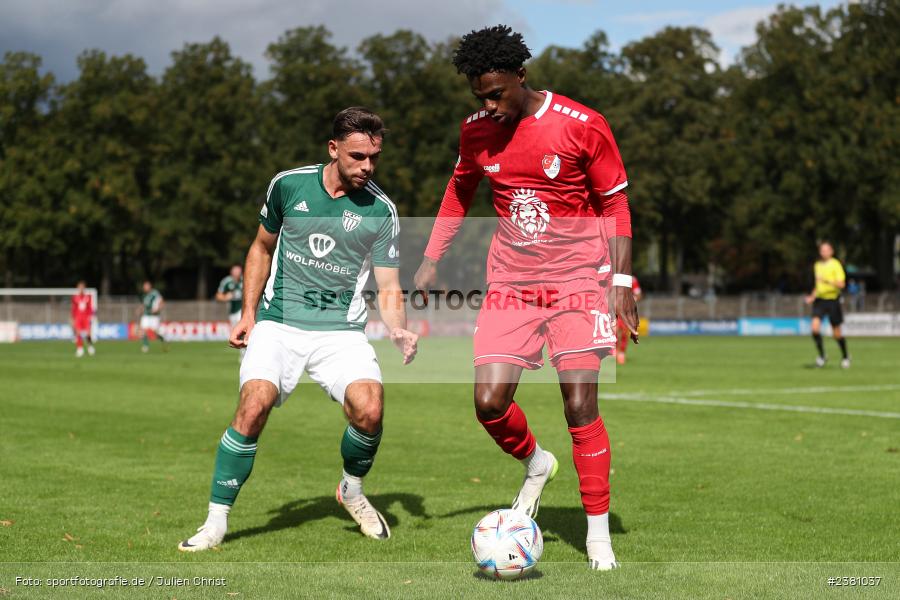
234, 461
358, 450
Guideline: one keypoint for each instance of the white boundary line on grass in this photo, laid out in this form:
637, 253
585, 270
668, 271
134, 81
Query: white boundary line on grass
679, 399
796, 390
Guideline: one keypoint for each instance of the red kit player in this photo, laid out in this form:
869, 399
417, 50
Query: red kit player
557, 181
82, 315
622, 328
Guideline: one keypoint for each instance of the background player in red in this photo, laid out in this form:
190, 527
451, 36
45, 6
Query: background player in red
557, 181
81, 316
622, 329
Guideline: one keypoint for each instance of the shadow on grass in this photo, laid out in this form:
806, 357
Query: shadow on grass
557, 523
534, 574
298, 512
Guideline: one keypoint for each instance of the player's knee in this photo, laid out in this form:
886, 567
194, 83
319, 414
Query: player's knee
364, 404
492, 400
368, 417
257, 400
581, 409
368, 420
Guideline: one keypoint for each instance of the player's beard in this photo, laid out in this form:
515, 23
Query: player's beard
348, 181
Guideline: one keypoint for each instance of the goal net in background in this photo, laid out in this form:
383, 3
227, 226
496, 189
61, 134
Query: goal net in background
40, 313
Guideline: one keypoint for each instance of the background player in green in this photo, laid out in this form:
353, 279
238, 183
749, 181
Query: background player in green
322, 229
231, 290
151, 307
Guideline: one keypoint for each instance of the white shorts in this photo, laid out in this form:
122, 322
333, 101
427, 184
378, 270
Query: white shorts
334, 359
234, 318
150, 322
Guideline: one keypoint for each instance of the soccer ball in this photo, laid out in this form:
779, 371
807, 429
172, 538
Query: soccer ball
506, 544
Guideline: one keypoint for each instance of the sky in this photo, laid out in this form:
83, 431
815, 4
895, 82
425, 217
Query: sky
59, 30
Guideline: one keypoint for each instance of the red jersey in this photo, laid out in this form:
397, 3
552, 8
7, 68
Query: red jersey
82, 307
635, 286
557, 178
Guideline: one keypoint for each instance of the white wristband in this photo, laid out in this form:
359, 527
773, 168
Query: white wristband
622, 280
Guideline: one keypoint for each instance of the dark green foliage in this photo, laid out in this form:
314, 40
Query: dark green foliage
119, 175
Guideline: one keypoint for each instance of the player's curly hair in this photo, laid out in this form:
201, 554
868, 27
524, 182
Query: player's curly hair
495, 48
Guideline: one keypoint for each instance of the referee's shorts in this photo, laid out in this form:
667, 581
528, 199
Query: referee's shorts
830, 309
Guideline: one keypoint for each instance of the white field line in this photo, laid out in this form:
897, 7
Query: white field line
680, 398
796, 390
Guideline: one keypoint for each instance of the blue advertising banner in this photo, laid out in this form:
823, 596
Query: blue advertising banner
778, 326
63, 331
683, 327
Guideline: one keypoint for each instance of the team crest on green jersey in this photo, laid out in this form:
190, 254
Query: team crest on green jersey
351, 221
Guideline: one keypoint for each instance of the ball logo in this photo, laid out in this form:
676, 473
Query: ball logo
551, 165
351, 221
529, 214
321, 244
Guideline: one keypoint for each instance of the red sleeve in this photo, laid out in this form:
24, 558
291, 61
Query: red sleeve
455, 204
606, 175
616, 214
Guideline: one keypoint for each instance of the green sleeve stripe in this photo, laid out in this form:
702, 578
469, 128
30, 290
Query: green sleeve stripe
395, 220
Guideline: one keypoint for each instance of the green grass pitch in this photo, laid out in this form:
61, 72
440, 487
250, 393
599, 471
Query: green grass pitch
719, 489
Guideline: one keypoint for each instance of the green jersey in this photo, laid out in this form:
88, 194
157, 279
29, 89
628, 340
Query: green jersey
326, 248
151, 301
236, 288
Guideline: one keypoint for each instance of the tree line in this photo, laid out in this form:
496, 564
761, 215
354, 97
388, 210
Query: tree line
734, 172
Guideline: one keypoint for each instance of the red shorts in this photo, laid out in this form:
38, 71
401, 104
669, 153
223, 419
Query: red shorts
82, 325
570, 317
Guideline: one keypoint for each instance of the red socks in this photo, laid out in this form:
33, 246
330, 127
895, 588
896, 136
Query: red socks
512, 434
590, 450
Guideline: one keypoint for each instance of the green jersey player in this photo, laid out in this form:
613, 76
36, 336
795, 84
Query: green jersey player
151, 307
322, 229
231, 291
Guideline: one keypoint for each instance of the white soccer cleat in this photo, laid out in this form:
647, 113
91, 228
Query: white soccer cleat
79, 352
145, 349
820, 361
207, 536
845, 364
601, 557
370, 521
91, 351
528, 499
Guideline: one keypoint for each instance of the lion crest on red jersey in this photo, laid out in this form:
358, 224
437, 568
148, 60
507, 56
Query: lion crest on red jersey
529, 213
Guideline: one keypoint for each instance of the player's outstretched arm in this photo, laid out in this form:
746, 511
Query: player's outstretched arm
426, 275
626, 306
392, 308
256, 269
454, 207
